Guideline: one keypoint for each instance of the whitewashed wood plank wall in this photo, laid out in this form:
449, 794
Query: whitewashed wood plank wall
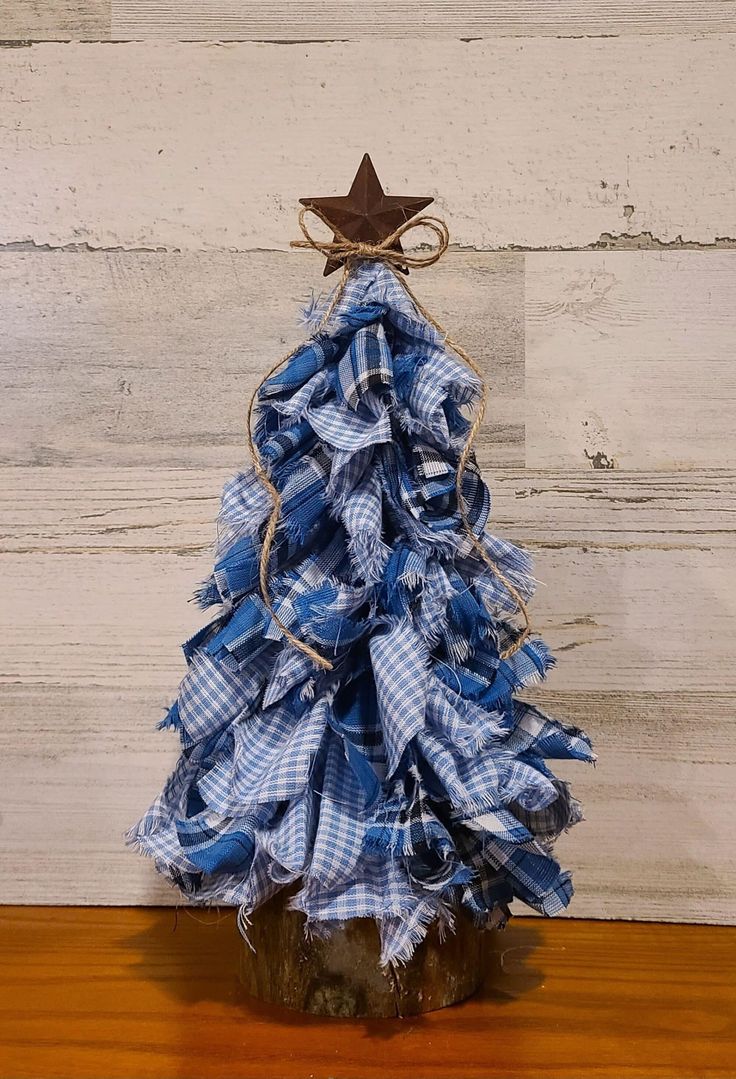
318, 20
584, 156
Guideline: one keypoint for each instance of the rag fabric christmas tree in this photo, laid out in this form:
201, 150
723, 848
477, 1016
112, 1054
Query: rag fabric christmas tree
407, 780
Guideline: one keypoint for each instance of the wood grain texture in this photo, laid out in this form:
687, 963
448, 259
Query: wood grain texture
544, 142
339, 975
651, 619
141, 993
657, 835
133, 358
88, 510
232, 20
55, 20
631, 359
651, 616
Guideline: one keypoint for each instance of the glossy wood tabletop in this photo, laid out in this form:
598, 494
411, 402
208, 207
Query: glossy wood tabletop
120, 993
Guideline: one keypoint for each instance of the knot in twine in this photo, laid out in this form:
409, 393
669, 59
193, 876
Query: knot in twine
350, 252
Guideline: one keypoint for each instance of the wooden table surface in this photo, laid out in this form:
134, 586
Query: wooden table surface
107, 993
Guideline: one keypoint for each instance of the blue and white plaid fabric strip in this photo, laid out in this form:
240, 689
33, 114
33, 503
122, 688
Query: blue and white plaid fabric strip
409, 780
538, 733
328, 421
291, 668
401, 673
376, 885
361, 515
462, 723
212, 696
406, 823
365, 366
270, 758
289, 837
341, 827
312, 393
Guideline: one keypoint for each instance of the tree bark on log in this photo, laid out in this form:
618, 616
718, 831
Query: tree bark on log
341, 975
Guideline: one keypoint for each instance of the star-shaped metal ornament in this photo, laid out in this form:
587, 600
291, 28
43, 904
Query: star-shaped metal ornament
366, 214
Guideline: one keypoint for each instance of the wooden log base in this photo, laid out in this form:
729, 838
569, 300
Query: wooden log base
341, 976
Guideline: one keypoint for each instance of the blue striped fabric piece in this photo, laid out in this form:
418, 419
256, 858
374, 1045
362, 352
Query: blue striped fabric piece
411, 781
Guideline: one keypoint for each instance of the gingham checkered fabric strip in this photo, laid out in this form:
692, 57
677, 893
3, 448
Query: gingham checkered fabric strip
328, 421
218, 844
517, 781
361, 514
289, 837
503, 824
402, 501
400, 936
464, 725
315, 390
356, 717
245, 504
538, 733
306, 578
401, 673
348, 468
535, 877
155, 833
366, 365
405, 822
243, 634
429, 612
211, 695
371, 282
377, 888
437, 380
341, 826
259, 885
486, 780
327, 615
292, 668
303, 496
269, 759
409, 778
289, 443
505, 871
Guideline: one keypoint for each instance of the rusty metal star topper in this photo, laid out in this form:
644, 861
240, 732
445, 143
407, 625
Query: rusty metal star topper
366, 213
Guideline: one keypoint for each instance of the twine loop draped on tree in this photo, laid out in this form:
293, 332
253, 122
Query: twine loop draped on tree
352, 252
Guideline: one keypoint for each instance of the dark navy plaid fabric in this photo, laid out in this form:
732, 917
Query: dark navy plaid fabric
410, 780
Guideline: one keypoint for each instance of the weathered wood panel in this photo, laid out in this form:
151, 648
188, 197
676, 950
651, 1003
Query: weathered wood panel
657, 834
622, 616
54, 20
542, 142
130, 358
78, 767
234, 20
151, 510
631, 359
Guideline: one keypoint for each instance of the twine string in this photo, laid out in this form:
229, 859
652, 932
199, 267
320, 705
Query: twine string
351, 251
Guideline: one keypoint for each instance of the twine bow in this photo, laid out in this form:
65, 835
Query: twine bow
341, 249
350, 252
